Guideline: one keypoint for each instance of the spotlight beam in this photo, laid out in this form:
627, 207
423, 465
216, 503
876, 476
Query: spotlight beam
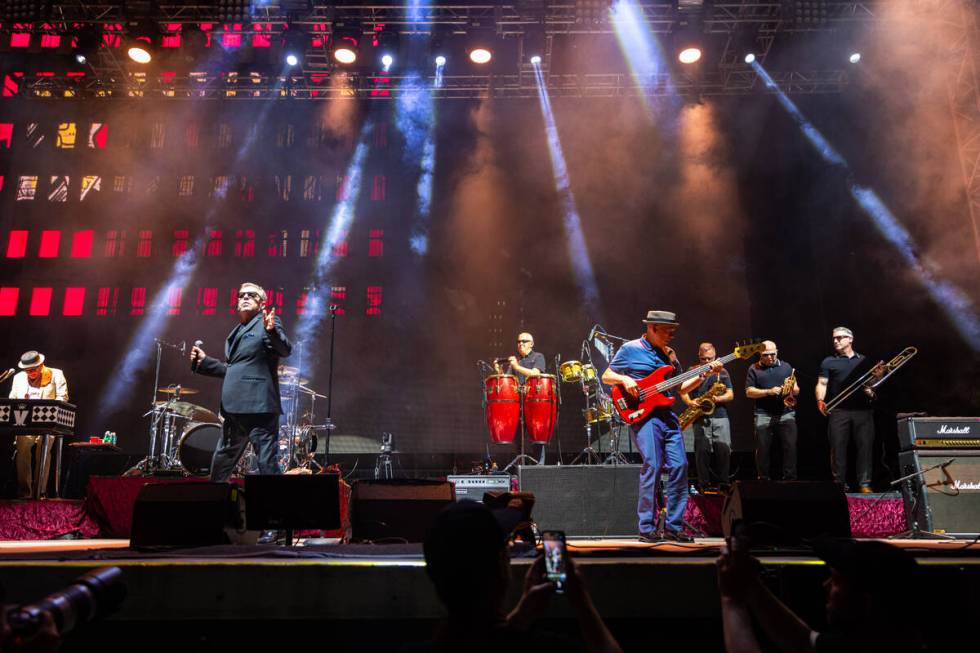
578, 251
640, 47
951, 300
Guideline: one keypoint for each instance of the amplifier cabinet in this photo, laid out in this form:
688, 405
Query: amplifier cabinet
943, 500
938, 433
474, 486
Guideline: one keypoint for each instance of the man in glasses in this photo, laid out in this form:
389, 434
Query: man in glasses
250, 401
658, 436
773, 418
530, 364
853, 417
712, 433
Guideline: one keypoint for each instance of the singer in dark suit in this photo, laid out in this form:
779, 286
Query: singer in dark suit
250, 402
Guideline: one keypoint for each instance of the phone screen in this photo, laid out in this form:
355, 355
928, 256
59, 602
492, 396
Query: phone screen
554, 558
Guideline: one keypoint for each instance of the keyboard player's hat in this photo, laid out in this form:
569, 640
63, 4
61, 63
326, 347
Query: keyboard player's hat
31, 359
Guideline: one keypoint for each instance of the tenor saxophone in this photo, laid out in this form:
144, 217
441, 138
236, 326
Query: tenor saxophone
702, 406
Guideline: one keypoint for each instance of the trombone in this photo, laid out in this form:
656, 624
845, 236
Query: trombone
869, 381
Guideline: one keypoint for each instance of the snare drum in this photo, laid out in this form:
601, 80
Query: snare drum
502, 403
600, 412
571, 371
196, 447
540, 407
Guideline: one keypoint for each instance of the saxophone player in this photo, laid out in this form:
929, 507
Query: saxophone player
712, 432
772, 384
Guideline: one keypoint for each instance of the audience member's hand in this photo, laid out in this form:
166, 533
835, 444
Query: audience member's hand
535, 598
737, 571
45, 640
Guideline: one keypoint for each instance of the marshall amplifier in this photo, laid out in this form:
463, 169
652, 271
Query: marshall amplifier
473, 487
938, 433
945, 499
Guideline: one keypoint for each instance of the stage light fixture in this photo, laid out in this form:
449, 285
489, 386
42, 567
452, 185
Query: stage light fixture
536, 60
855, 57
139, 51
534, 42
387, 40
689, 55
480, 55
87, 44
294, 46
344, 44
140, 42
440, 60
749, 58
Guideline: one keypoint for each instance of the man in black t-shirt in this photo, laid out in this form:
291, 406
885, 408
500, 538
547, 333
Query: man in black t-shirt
764, 383
712, 433
530, 364
853, 417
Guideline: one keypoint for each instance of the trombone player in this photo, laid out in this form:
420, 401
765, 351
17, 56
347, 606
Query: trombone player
853, 417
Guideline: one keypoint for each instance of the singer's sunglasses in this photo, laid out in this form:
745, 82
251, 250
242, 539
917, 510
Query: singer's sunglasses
521, 342
249, 293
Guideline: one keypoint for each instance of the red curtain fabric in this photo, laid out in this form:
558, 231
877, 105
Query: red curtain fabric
45, 520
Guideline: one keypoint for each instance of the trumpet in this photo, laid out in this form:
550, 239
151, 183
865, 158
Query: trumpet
789, 400
702, 406
873, 378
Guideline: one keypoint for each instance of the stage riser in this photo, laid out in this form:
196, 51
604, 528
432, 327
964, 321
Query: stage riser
174, 597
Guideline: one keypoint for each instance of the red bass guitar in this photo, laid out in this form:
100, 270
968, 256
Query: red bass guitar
655, 384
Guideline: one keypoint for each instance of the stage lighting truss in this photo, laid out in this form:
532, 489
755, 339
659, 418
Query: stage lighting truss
387, 50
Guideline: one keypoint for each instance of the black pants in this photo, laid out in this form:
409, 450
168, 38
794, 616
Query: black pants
712, 450
766, 428
259, 428
841, 427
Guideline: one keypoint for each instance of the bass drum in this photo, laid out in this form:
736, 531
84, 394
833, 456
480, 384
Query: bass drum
540, 407
502, 402
196, 447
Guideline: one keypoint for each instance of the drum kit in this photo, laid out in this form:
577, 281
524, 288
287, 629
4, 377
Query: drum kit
297, 433
530, 409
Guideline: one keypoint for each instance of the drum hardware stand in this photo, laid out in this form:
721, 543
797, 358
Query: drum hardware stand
161, 461
913, 489
591, 456
615, 456
328, 425
382, 468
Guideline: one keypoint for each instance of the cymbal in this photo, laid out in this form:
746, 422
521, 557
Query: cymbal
286, 370
292, 380
172, 390
190, 411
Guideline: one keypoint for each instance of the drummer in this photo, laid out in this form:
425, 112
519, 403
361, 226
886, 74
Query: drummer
531, 363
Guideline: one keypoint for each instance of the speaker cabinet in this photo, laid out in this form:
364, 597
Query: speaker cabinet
292, 501
945, 499
584, 500
786, 512
400, 510
189, 514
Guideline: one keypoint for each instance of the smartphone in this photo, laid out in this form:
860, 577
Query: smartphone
555, 555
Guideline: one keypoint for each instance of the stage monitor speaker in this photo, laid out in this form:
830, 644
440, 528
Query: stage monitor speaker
946, 499
786, 512
188, 514
397, 509
584, 500
292, 501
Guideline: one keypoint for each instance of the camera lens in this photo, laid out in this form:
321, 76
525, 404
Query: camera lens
93, 594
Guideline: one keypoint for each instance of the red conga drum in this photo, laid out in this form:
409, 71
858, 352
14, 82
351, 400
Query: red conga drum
502, 403
540, 407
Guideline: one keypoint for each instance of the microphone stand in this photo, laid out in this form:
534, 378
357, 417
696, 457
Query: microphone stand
912, 488
329, 423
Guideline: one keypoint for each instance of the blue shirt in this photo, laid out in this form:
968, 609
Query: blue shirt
638, 358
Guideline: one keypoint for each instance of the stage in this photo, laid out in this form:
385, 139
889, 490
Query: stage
377, 597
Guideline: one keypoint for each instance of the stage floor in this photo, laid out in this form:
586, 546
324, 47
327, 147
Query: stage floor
245, 593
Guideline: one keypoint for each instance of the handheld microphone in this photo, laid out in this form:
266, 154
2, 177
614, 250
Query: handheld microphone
197, 361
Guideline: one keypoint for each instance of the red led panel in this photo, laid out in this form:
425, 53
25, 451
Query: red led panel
50, 40
173, 301
207, 300
81, 244
11, 87
74, 301
376, 246
6, 131
144, 243
50, 242
379, 189
17, 244
214, 243
137, 301
8, 301
337, 296
180, 242
41, 301
373, 300
107, 301
20, 39
244, 242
